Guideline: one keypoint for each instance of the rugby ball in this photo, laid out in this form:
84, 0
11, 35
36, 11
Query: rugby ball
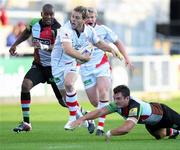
86, 50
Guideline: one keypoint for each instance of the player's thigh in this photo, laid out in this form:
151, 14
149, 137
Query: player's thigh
70, 78
35, 75
58, 77
70, 74
172, 117
103, 76
93, 95
156, 131
103, 83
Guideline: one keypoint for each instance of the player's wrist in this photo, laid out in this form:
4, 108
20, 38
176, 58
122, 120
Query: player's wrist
108, 134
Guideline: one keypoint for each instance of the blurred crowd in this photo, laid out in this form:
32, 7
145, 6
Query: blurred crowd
3, 16
16, 31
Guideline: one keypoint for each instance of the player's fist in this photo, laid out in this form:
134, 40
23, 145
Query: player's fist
12, 51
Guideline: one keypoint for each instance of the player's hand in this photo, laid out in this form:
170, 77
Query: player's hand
129, 64
37, 45
118, 55
108, 135
113, 52
85, 58
76, 123
12, 51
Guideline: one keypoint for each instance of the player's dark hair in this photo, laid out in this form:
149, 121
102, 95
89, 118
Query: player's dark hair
47, 6
82, 10
123, 89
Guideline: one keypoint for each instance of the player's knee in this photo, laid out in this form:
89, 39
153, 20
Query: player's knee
104, 94
26, 86
159, 136
68, 86
94, 103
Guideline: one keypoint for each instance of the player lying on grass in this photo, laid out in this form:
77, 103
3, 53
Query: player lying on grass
159, 119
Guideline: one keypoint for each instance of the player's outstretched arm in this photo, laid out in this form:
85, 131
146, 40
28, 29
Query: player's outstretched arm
127, 126
121, 49
90, 116
105, 47
23, 36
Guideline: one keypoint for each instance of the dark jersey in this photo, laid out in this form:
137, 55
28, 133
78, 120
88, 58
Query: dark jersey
144, 112
45, 36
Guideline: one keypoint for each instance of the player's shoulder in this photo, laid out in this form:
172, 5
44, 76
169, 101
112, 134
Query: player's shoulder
34, 21
102, 28
106, 28
56, 25
88, 27
66, 26
66, 30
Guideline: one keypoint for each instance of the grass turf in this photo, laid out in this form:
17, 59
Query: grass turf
48, 133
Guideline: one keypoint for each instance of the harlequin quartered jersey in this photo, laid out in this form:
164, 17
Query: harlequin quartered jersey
67, 34
139, 109
45, 36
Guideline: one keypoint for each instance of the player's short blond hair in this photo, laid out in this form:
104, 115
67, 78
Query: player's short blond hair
92, 10
82, 10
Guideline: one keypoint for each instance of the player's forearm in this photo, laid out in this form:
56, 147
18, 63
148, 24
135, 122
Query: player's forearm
104, 46
73, 53
118, 131
22, 37
93, 115
121, 48
123, 129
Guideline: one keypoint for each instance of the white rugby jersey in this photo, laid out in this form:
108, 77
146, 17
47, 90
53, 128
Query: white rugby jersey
108, 36
67, 34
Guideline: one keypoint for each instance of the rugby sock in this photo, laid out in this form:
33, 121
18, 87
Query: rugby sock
25, 105
101, 119
171, 131
79, 112
71, 101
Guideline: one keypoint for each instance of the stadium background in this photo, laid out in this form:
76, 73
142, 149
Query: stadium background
149, 29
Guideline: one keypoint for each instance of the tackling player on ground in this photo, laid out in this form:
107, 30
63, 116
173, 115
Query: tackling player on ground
159, 120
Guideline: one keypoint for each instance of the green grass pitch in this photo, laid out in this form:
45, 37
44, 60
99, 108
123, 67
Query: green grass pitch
48, 133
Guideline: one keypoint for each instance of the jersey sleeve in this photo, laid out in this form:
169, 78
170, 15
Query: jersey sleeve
134, 111
31, 23
110, 35
57, 40
112, 107
94, 38
65, 35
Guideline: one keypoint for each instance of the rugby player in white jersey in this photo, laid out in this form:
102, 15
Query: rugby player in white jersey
96, 73
72, 37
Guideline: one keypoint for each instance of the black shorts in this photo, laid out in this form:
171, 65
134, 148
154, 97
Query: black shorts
39, 74
170, 119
